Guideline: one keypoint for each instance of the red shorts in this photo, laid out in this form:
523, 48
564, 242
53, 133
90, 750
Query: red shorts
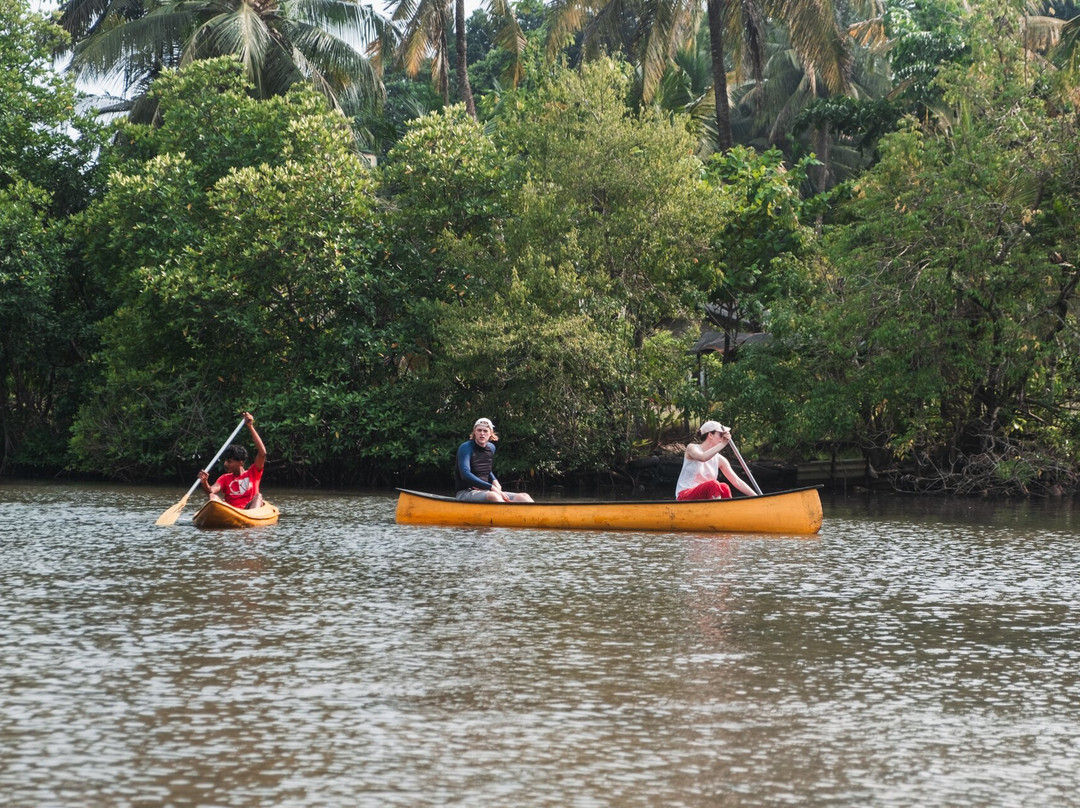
710, 490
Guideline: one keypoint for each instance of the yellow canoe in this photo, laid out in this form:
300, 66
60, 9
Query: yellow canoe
795, 512
216, 514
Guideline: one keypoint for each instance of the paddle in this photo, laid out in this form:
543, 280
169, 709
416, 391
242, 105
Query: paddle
745, 468
170, 516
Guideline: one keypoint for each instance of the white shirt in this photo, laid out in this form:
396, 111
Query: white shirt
696, 472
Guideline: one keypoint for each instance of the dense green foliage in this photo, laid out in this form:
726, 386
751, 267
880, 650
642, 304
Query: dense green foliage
550, 287
977, 261
939, 333
46, 305
764, 238
250, 272
561, 318
550, 265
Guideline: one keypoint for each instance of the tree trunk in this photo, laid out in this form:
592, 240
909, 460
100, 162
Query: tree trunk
463, 69
824, 144
717, 10
442, 79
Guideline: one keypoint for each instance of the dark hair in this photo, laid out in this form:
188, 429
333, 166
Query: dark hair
235, 452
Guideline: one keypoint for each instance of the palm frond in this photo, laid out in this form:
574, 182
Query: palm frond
403, 10
793, 102
382, 48
134, 49
1041, 34
84, 18
816, 37
660, 31
602, 32
871, 34
511, 39
320, 80
345, 69
352, 22
564, 19
749, 34
240, 32
421, 36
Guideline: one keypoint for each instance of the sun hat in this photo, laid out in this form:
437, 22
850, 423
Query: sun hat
483, 422
713, 426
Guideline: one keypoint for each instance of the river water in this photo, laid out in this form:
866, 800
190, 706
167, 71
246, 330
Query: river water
914, 653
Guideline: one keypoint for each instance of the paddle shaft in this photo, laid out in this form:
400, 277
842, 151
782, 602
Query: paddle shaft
220, 452
745, 468
172, 514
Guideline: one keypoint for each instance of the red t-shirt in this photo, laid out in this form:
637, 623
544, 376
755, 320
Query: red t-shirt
239, 489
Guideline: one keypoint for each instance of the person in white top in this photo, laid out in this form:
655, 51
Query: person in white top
703, 463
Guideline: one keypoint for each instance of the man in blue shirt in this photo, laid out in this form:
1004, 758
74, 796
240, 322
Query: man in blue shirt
476, 481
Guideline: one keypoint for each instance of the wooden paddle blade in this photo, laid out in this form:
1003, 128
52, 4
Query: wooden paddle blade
170, 516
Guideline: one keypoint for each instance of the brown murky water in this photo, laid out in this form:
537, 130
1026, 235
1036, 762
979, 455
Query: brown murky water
914, 653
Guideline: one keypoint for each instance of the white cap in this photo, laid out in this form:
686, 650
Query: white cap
713, 426
484, 422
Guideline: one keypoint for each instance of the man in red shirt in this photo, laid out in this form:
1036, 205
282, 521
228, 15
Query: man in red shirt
236, 486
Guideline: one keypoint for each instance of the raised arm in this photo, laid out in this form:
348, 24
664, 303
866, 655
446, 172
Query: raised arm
697, 451
260, 447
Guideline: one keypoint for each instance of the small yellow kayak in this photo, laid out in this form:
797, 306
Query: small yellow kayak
216, 514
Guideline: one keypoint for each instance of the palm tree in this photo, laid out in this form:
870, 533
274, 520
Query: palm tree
813, 27
280, 42
423, 37
789, 92
686, 86
83, 18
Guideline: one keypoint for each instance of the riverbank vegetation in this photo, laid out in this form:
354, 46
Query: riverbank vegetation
880, 224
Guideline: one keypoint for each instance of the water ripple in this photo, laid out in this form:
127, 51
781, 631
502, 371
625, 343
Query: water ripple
912, 654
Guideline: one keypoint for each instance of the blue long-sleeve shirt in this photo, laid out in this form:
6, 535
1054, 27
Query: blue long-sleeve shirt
475, 466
